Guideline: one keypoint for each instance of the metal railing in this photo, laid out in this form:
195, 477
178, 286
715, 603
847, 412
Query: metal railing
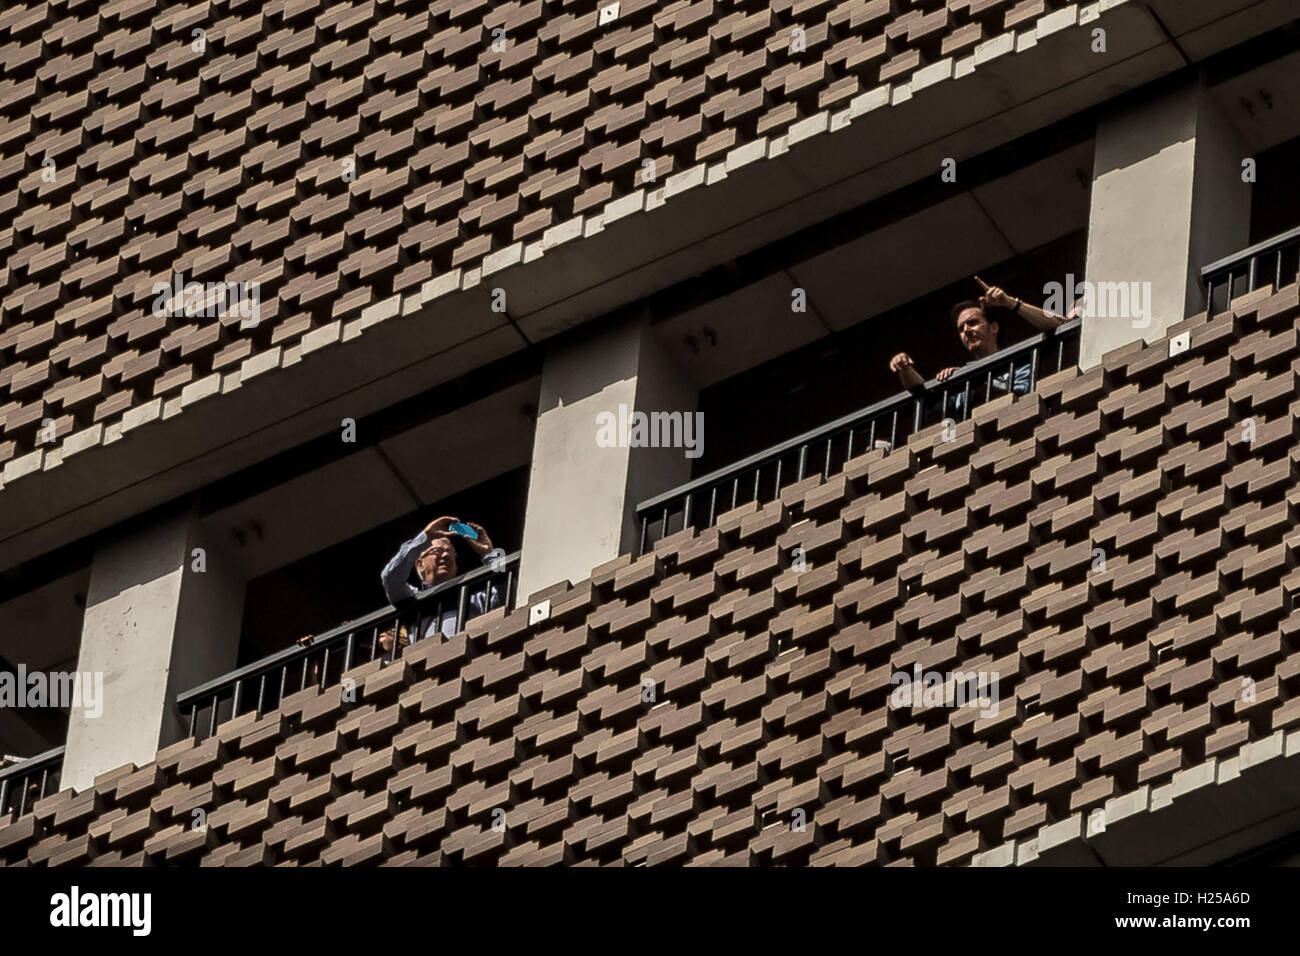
886, 424
22, 784
324, 659
1274, 262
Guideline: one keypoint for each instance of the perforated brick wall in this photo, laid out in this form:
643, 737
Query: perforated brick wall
1118, 546
479, 134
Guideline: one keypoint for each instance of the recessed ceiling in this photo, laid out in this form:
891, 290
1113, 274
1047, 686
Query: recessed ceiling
41, 630
885, 268
1264, 104
378, 482
718, 340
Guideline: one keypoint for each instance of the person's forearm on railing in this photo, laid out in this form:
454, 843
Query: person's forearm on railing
906, 370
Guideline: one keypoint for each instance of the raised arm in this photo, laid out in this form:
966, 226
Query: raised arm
396, 576
907, 373
1038, 318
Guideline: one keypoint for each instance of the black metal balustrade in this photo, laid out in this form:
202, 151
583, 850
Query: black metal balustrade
1273, 263
325, 658
22, 784
886, 424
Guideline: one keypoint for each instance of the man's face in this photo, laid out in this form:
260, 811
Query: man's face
978, 334
438, 563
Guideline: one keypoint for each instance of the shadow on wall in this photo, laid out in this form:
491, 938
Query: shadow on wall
1275, 197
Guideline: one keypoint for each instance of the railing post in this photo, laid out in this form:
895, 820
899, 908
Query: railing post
461, 599
870, 420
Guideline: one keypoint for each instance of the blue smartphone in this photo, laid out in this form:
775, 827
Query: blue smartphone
462, 529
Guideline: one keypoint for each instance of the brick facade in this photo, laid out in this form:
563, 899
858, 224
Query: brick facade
772, 685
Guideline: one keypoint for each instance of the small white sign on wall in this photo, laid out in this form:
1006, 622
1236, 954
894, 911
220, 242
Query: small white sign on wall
539, 612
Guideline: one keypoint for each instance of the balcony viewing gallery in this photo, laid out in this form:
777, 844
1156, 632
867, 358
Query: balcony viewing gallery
897, 471
321, 660
796, 476
790, 475
728, 665
804, 461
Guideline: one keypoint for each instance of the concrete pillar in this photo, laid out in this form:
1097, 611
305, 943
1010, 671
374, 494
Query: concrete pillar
582, 497
1167, 199
154, 626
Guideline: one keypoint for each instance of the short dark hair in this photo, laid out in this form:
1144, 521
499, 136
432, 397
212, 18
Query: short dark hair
955, 312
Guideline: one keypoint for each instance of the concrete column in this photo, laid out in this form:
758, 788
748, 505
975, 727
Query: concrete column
1167, 199
154, 626
582, 497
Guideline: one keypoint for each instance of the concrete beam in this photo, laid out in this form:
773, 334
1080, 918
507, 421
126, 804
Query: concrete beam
582, 492
802, 180
158, 621
1167, 198
1203, 816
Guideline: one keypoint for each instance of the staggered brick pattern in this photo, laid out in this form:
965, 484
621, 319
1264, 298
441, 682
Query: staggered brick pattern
519, 744
134, 147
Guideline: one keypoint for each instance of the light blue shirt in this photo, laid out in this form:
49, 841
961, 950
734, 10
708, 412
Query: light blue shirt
396, 578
